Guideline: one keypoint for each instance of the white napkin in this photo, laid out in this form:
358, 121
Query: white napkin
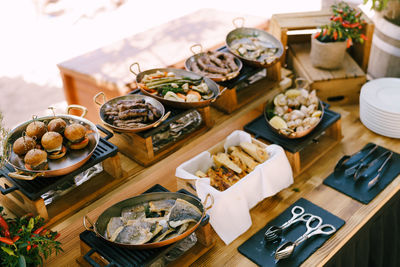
229, 215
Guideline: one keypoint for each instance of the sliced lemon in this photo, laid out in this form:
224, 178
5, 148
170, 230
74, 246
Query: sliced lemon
277, 122
292, 93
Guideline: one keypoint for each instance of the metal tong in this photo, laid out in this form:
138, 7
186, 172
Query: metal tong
369, 169
286, 249
354, 170
274, 232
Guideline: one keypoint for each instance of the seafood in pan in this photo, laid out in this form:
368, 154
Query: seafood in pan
252, 48
216, 65
295, 111
131, 113
173, 87
154, 221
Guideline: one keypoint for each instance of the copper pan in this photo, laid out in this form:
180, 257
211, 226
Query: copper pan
269, 107
241, 32
183, 105
193, 58
104, 104
100, 226
70, 162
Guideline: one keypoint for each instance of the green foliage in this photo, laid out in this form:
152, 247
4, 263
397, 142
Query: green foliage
31, 243
377, 5
346, 24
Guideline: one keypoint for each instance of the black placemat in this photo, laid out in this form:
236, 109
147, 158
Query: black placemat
358, 190
259, 128
262, 253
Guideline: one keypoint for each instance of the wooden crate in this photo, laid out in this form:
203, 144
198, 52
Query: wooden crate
79, 197
190, 184
140, 149
336, 87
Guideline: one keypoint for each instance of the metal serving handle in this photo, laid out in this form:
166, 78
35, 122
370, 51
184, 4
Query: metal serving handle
211, 197
303, 218
302, 83
92, 262
236, 20
310, 229
138, 67
90, 228
318, 231
196, 45
95, 98
19, 175
297, 211
220, 93
162, 119
79, 107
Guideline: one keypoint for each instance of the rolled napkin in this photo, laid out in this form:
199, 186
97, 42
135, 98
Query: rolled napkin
230, 216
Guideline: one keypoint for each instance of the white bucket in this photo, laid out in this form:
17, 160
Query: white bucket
384, 60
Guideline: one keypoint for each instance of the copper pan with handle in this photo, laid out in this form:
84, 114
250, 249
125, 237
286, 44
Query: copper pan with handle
99, 227
72, 160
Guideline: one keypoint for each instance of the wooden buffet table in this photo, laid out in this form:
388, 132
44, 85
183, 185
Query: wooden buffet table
309, 185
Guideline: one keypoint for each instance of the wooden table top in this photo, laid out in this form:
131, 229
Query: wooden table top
309, 184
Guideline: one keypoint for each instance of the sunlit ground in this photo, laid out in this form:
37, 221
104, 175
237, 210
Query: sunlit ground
32, 43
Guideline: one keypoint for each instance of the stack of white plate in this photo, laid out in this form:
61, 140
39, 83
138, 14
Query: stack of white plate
380, 106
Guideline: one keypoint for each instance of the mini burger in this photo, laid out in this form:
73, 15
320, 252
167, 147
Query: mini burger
36, 129
36, 159
23, 144
57, 125
76, 135
52, 143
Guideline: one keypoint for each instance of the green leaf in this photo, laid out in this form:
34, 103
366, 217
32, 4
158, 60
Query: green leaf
9, 251
21, 261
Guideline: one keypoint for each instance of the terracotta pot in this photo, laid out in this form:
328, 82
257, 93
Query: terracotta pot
327, 55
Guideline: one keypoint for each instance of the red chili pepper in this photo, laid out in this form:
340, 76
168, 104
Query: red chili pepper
28, 248
34, 246
363, 37
317, 35
16, 238
3, 223
324, 32
354, 25
7, 233
19, 231
335, 35
37, 231
349, 42
6, 240
338, 19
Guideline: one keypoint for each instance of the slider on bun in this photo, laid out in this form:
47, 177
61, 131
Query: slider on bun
52, 143
36, 159
76, 135
23, 144
57, 125
36, 129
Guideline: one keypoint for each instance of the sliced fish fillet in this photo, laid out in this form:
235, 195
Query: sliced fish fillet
161, 205
183, 212
138, 232
133, 213
113, 225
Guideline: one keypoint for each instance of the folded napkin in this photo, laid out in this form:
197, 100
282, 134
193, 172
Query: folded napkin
229, 215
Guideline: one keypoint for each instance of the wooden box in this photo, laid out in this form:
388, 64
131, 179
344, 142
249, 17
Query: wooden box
190, 184
19, 204
334, 87
140, 148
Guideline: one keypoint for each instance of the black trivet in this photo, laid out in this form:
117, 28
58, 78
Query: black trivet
122, 257
37, 187
245, 73
256, 249
259, 128
359, 190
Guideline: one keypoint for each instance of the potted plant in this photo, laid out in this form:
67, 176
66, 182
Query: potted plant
25, 242
328, 45
384, 59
